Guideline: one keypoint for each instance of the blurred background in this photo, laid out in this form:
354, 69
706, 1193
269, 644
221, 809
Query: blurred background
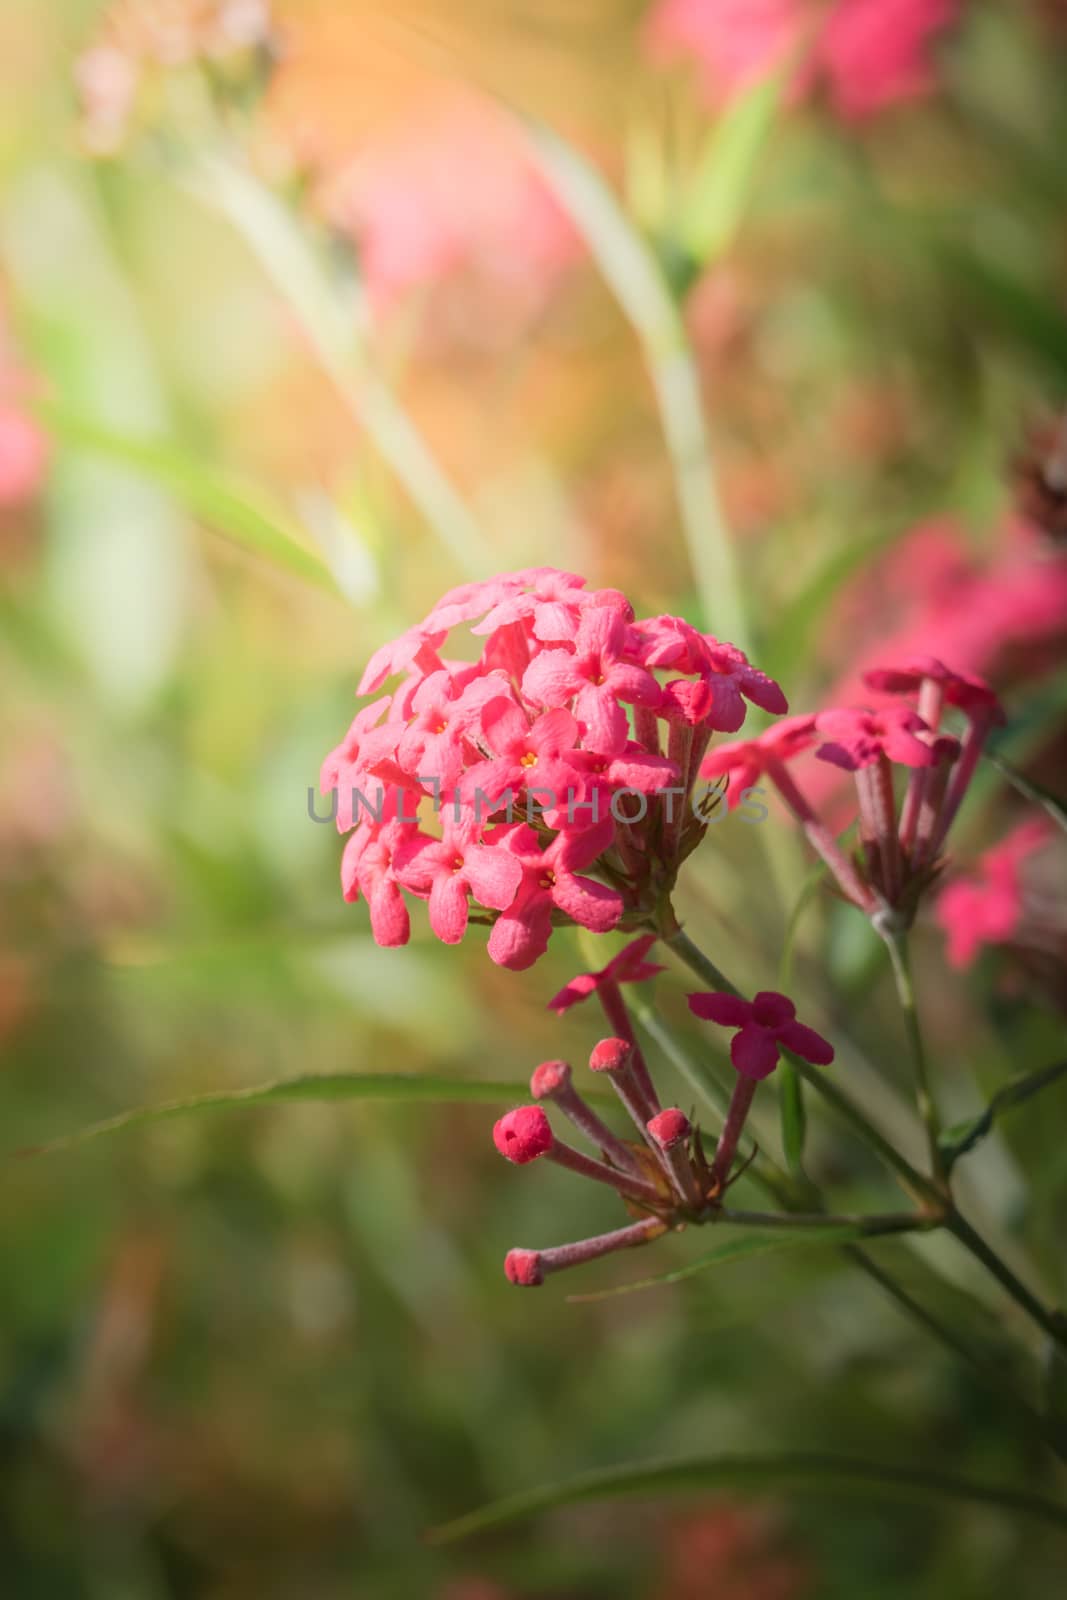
304, 318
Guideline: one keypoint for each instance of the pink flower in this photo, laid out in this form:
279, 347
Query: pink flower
876, 53
526, 753
368, 868
857, 738
987, 907
449, 870
962, 689
551, 881
629, 966
747, 760
433, 743
407, 197
766, 1024
597, 676
868, 54
23, 456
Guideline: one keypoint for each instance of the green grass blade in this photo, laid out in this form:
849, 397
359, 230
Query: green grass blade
722, 188
207, 496
328, 1086
634, 276
794, 1472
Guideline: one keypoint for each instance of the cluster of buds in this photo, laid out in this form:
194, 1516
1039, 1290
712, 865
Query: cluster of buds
901, 841
663, 1177
557, 771
142, 40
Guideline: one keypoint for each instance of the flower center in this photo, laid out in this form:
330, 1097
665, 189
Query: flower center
548, 880
457, 864
442, 727
529, 759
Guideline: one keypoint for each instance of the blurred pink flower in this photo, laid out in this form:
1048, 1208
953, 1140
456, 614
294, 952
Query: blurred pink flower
866, 54
450, 190
23, 456
987, 906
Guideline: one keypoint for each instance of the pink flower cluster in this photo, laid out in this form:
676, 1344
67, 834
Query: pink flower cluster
900, 845
590, 723
865, 54
663, 1176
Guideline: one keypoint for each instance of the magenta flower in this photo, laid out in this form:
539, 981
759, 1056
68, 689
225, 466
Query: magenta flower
447, 871
597, 676
857, 738
551, 881
629, 966
766, 1025
433, 741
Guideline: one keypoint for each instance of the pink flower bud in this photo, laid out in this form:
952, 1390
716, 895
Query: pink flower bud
670, 1128
524, 1268
523, 1135
610, 1055
549, 1078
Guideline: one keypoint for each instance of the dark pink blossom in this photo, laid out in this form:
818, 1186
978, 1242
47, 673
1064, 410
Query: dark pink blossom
526, 753
766, 1025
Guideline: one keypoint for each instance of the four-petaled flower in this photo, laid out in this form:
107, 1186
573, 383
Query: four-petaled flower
551, 881
596, 676
766, 1025
856, 738
629, 966
447, 871
746, 761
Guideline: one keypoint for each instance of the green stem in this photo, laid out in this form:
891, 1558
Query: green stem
1051, 1322
929, 1193
897, 945
913, 1181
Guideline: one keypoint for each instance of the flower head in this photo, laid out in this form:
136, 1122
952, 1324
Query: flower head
540, 722
765, 1026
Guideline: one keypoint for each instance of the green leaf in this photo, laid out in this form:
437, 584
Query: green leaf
722, 188
208, 496
739, 1248
796, 1472
794, 1117
328, 1086
962, 1137
1055, 1389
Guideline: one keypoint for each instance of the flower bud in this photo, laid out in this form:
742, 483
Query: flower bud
523, 1135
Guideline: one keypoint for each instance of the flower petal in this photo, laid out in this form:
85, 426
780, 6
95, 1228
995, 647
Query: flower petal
807, 1043
727, 1009
754, 1051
